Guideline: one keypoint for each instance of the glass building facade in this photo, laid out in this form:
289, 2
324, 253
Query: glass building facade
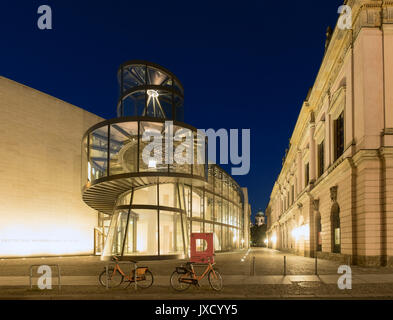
149, 209
147, 89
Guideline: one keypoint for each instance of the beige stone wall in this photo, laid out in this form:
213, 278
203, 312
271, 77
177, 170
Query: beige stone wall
356, 79
387, 196
41, 210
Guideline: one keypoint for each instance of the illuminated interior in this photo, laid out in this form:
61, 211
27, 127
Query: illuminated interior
159, 231
149, 90
150, 209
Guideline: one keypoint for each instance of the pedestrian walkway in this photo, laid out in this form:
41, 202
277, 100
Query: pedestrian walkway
228, 280
258, 261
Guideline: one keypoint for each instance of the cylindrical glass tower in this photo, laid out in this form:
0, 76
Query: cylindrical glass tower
153, 205
147, 89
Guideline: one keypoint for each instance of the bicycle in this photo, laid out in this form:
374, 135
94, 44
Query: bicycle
116, 276
185, 276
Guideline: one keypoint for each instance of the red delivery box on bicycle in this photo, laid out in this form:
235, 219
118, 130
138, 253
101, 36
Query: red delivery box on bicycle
202, 248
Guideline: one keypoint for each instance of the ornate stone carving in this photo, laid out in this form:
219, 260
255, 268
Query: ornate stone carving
388, 12
333, 193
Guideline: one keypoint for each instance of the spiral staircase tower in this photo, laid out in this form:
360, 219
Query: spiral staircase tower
147, 201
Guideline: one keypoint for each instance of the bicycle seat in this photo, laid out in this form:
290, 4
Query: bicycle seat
189, 266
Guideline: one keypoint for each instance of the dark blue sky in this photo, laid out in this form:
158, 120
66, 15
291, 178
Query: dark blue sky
243, 64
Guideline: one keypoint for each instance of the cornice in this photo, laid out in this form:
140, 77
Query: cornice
364, 155
365, 14
319, 130
386, 152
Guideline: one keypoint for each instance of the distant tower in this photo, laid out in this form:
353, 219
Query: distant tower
259, 219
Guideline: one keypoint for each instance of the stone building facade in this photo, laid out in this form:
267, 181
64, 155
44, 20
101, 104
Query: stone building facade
334, 195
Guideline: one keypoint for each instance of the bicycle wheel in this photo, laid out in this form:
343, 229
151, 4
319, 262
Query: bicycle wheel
147, 282
175, 281
215, 280
114, 279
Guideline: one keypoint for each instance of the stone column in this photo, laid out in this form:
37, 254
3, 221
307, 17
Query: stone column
387, 196
388, 83
328, 142
299, 172
312, 152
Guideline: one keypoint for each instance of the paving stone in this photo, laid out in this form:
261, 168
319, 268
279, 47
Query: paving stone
80, 279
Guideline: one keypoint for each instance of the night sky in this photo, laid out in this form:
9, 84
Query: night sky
243, 64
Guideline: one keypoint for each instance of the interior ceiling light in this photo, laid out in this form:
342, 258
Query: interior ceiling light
153, 93
152, 163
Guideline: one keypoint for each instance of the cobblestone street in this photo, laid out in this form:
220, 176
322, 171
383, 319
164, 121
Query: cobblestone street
267, 262
270, 262
251, 292
268, 281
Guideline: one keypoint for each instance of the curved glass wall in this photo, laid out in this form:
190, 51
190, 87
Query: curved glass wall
123, 147
149, 90
150, 177
157, 220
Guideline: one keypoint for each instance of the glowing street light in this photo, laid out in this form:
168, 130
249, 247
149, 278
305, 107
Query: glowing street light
302, 231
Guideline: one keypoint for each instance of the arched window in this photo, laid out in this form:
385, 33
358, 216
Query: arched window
336, 231
318, 229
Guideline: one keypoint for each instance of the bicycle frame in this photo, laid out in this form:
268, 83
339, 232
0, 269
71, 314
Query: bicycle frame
117, 268
196, 277
130, 277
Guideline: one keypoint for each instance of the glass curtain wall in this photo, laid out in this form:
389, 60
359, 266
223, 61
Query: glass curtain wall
126, 147
146, 90
158, 219
148, 221
165, 200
